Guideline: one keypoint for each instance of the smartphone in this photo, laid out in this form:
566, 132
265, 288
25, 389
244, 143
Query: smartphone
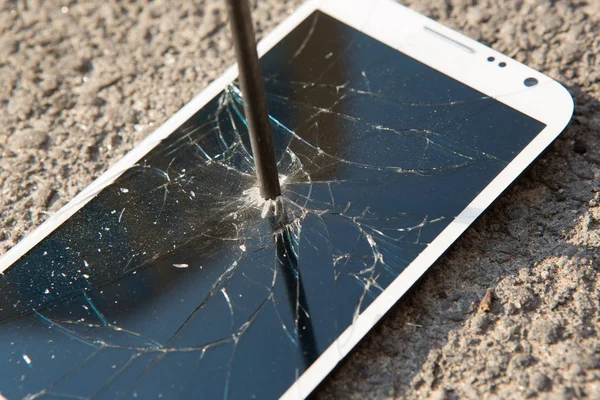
164, 278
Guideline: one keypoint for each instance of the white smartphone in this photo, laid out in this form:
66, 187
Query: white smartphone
163, 279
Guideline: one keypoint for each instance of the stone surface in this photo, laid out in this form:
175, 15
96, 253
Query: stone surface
83, 82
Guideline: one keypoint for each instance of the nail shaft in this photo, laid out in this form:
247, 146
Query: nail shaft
253, 93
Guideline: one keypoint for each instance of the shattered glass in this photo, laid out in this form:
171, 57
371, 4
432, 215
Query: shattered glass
177, 281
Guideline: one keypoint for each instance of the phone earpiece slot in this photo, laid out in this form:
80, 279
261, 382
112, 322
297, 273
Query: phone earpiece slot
449, 39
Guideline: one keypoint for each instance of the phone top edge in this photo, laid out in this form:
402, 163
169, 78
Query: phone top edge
422, 38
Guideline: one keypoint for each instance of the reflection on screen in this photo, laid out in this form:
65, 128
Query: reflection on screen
171, 283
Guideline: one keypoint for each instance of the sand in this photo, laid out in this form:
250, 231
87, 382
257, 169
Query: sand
83, 82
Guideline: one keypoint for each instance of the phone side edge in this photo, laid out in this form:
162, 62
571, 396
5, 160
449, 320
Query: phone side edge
149, 142
363, 324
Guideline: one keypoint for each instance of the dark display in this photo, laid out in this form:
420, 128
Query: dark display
172, 283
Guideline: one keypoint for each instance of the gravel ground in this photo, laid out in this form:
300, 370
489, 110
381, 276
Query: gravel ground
83, 82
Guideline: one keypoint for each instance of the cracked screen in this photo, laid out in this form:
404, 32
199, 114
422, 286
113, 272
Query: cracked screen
176, 282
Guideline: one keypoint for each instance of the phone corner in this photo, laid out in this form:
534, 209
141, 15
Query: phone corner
567, 103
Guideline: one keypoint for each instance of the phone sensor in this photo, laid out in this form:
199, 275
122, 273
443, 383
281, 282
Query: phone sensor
529, 82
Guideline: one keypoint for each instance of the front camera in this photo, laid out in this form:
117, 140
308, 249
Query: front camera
529, 82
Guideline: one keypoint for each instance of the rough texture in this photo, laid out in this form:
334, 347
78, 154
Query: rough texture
83, 82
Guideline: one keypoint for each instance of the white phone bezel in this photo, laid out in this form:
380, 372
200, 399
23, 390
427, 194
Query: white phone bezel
426, 41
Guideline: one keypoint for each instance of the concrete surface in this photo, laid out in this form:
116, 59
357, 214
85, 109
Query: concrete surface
82, 82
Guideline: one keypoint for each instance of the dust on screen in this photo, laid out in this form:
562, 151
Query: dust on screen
171, 283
